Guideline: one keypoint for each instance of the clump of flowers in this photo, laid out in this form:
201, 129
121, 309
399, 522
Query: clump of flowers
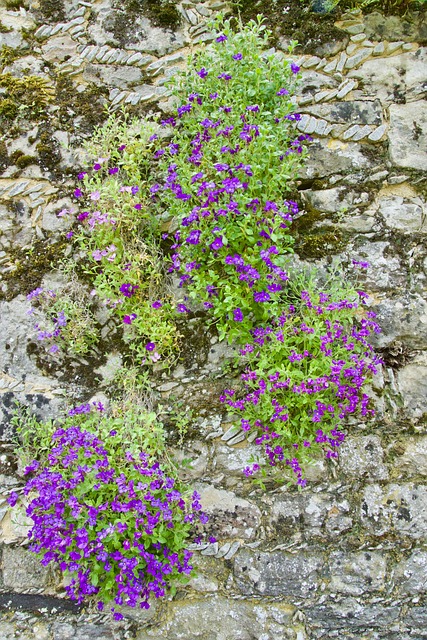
108, 514
224, 177
305, 375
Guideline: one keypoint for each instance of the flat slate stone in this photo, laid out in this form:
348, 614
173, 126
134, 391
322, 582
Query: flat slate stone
408, 135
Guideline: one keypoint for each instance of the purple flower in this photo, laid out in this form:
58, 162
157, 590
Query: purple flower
13, 498
238, 315
122, 147
82, 175
294, 67
217, 244
150, 346
213, 96
194, 237
282, 92
202, 73
181, 308
222, 38
129, 319
224, 76
237, 56
78, 193
113, 171
261, 296
97, 166
253, 107
137, 206
157, 304
128, 289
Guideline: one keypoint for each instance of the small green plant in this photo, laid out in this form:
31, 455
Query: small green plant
66, 322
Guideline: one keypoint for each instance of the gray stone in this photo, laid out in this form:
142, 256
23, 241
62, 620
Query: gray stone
414, 459
357, 573
328, 200
408, 135
398, 508
394, 28
220, 618
350, 614
229, 515
416, 620
334, 157
412, 385
277, 573
359, 57
362, 457
22, 570
67, 631
57, 49
316, 514
402, 318
385, 271
349, 112
235, 460
411, 574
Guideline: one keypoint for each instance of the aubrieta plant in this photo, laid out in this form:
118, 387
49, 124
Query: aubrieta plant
233, 156
108, 513
120, 238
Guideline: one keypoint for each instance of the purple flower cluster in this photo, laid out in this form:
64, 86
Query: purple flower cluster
116, 525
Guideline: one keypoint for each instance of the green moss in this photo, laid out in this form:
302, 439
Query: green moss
4, 158
48, 152
294, 20
52, 10
14, 4
123, 24
29, 95
319, 245
30, 267
89, 105
25, 161
8, 55
3, 28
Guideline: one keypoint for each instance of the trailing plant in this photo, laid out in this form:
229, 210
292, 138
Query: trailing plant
233, 156
108, 509
120, 239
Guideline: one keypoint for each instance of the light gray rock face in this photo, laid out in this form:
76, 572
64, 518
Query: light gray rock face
398, 508
229, 516
408, 135
363, 458
404, 215
274, 574
323, 515
414, 459
67, 631
329, 200
411, 574
351, 112
385, 271
350, 614
403, 318
217, 618
357, 573
22, 570
337, 157
412, 384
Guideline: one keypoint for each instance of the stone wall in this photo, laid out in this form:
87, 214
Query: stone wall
345, 557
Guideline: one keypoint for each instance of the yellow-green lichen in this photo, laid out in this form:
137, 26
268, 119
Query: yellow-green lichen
28, 96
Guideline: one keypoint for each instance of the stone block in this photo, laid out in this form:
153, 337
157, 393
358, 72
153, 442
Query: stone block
414, 459
220, 618
22, 570
403, 318
412, 385
363, 458
229, 516
404, 215
357, 573
408, 135
277, 573
350, 614
411, 574
395, 508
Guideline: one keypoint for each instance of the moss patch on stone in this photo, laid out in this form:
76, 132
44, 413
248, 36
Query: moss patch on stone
293, 20
122, 22
88, 105
51, 11
28, 96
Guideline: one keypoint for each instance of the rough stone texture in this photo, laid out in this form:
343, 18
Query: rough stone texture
411, 574
412, 382
401, 509
237, 621
408, 135
273, 574
287, 564
357, 573
229, 515
363, 457
22, 570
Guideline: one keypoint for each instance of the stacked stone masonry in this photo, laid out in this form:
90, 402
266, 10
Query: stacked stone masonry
347, 556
